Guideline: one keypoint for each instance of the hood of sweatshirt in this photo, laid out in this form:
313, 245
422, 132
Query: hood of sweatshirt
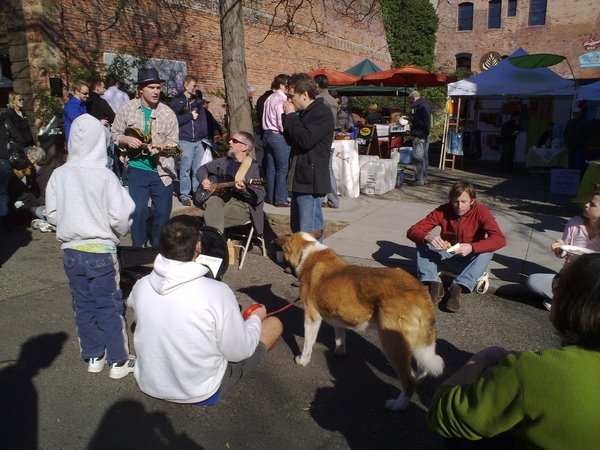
169, 274
88, 141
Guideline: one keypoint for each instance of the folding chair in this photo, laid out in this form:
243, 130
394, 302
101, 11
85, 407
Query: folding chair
246, 240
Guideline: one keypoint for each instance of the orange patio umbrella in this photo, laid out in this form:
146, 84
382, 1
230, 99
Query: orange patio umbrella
405, 76
335, 77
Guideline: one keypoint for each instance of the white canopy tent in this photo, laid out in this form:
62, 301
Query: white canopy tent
506, 79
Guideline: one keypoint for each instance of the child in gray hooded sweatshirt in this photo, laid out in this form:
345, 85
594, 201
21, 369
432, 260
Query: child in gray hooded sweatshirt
91, 210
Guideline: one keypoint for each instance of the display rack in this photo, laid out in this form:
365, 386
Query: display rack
451, 123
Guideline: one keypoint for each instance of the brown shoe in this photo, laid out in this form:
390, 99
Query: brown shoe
436, 291
453, 304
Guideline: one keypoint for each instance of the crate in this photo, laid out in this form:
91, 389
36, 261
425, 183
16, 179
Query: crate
378, 177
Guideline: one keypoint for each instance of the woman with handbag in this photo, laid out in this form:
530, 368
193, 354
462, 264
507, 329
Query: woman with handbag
18, 118
10, 148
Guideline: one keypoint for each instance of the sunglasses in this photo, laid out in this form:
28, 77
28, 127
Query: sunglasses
235, 141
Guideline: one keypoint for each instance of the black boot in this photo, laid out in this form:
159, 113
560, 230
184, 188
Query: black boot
453, 303
436, 291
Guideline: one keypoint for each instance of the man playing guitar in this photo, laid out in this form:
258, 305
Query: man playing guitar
150, 176
244, 201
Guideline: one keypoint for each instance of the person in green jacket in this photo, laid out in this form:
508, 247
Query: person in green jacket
548, 399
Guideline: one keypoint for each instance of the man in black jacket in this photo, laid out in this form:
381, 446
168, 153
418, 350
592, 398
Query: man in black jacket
419, 129
97, 106
308, 125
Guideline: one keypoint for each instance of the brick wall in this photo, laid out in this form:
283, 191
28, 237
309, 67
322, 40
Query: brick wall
569, 23
161, 30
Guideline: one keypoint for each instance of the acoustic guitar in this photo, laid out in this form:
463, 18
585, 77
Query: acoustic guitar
202, 195
143, 150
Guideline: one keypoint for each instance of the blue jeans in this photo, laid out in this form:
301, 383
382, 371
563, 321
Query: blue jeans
145, 185
469, 268
98, 304
277, 155
191, 157
421, 159
306, 213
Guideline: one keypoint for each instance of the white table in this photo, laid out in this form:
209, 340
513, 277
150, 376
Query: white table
346, 168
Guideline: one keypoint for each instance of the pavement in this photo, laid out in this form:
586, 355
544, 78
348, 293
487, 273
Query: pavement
53, 403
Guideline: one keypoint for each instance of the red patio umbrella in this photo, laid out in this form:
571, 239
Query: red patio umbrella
335, 77
405, 76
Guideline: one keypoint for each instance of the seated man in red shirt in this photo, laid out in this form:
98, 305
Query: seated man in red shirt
475, 235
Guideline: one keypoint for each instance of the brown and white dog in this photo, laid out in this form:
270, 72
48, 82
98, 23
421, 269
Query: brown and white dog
354, 297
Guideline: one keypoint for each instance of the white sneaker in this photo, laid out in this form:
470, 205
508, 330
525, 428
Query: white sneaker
120, 371
47, 228
96, 365
548, 304
36, 224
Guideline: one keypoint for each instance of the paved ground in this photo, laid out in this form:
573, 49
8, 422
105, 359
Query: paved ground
333, 402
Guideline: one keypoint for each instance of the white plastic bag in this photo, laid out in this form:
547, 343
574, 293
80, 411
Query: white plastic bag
207, 157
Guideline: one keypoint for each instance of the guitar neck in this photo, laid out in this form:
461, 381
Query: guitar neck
225, 184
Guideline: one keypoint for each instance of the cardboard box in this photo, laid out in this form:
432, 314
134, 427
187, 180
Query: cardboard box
564, 181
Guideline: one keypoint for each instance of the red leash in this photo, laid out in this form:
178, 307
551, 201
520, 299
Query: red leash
250, 309
289, 305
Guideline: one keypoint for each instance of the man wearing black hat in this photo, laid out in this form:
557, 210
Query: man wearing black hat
149, 175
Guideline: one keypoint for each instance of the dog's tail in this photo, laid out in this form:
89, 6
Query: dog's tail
428, 362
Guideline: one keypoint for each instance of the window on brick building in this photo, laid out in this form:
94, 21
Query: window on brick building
494, 13
465, 16
537, 12
512, 8
463, 61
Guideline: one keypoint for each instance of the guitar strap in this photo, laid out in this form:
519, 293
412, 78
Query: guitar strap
243, 170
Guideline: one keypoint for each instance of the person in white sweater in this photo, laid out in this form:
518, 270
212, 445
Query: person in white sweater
191, 341
91, 210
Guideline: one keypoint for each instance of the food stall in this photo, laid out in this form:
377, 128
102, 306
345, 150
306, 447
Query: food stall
540, 95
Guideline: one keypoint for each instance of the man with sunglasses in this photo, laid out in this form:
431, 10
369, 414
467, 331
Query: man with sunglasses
76, 106
236, 205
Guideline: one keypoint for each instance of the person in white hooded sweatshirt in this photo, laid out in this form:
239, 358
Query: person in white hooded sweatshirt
91, 210
191, 341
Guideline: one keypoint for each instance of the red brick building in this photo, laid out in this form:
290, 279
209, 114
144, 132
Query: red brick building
471, 32
37, 37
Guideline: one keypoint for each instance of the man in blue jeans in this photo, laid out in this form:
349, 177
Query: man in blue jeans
308, 125
277, 150
194, 126
150, 176
473, 231
419, 129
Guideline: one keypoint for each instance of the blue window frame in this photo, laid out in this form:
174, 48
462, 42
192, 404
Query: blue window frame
537, 12
465, 16
494, 13
512, 8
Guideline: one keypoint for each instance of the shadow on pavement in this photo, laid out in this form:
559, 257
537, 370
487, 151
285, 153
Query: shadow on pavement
128, 425
12, 241
19, 399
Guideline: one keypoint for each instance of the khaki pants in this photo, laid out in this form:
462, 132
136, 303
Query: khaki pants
221, 214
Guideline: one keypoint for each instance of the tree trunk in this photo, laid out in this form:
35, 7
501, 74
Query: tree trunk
234, 65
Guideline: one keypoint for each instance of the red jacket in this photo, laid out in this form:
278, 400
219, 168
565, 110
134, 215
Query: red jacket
477, 227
